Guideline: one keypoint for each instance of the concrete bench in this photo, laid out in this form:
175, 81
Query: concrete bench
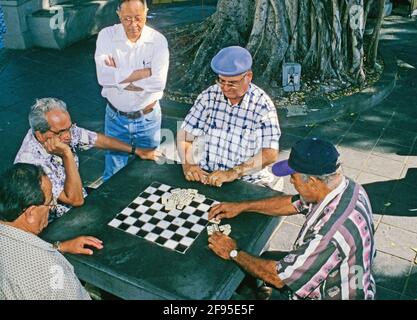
66, 23
56, 23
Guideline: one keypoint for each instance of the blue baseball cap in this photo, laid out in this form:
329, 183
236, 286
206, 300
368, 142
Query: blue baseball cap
231, 61
312, 156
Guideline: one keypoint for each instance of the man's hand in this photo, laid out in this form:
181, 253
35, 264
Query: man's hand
138, 75
148, 154
141, 74
132, 87
55, 146
193, 172
217, 178
221, 245
226, 210
76, 246
110, 62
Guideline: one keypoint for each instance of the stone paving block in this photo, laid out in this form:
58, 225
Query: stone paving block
350, 172
377, 117
297, 219
283, 155
363, 126
361, 142
403, 123
289, 187
411, 286
375, 185
384, 167
379, 204
288, 140
412, 159
377, 220
396, 241
391, 151
400, 209
404, 199
340, 124
403, 222
332, 134
300, 131
391, 272
386, 294
284, 237
353, 158
398, 137
409, 175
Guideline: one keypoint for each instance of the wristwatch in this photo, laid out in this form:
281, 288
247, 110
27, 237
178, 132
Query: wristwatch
133, 151
233, 254
56, 244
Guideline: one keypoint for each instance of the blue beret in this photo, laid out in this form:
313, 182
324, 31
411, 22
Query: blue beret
231, 61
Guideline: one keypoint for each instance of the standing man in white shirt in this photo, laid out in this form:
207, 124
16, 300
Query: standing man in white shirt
132, 62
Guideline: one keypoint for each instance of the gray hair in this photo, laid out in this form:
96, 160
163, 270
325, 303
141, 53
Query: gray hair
330, 179
37, 119
145, 5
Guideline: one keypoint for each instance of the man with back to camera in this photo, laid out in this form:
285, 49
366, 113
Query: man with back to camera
31, 268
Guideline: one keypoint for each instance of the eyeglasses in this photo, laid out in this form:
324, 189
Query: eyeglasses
129, 20
52, 204
60, 133
232, 84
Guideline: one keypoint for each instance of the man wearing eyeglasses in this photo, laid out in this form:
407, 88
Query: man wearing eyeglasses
132, 64
32, 269
51, 143
238, 124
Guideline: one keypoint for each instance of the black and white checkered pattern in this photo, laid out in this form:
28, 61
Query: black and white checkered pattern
147, 218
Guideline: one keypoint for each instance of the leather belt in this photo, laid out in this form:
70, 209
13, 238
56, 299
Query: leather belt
134, 114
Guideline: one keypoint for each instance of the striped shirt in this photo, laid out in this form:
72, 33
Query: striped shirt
233, 134
333, 254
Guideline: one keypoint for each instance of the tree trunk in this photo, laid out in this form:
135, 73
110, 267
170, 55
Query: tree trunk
325, 36
373, 46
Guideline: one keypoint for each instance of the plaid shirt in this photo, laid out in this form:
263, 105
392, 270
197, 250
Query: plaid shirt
233, 133
333, 254
33, 152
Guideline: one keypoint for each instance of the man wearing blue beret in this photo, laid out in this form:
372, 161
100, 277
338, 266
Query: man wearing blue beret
237, 125
333, 254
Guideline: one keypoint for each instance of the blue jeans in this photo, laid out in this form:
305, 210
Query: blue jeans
143, 132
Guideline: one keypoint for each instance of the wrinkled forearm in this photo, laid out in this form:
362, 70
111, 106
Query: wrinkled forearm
260, 268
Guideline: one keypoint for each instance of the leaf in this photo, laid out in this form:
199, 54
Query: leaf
387, 204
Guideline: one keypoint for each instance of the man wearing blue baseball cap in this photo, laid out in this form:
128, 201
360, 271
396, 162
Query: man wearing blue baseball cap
334, 251
237, 123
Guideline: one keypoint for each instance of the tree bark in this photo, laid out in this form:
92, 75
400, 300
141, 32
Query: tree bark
325, 36
373, 46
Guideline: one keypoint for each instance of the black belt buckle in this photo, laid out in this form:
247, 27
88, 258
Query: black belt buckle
129, 115
134, 115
